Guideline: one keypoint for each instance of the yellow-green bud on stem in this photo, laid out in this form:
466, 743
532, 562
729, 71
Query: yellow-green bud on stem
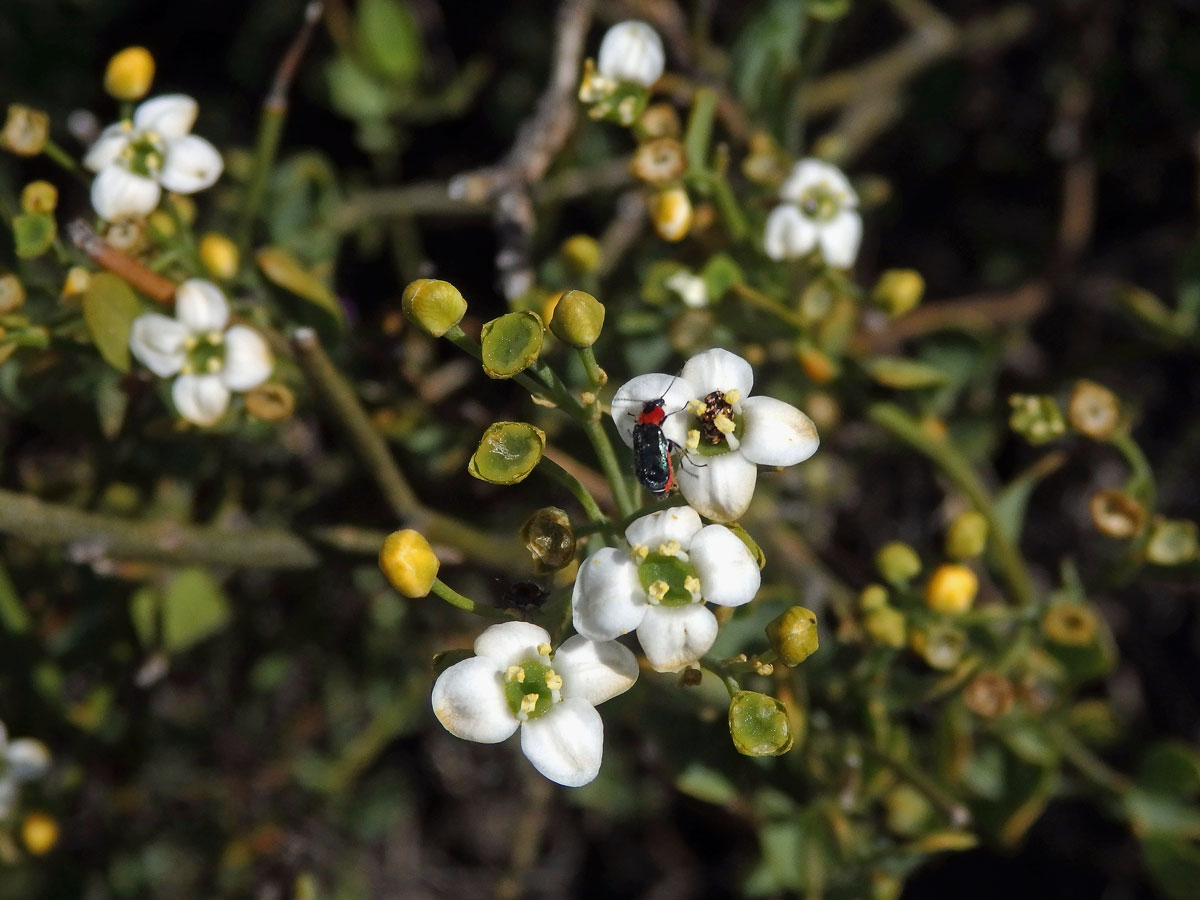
898, 291
1036, 418
507, 453
951, 589
967, 536
1172, 542
409, 562
511, 343
26, 130
886, 627
873, 596
941, 646
39, 197
434, 306
129, 74
577, 319
220, 255
759, 725
12, 293
897, 562
793, 635
548, 535
582, 254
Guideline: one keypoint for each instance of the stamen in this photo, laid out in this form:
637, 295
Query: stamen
543, 649
657, 591
724, 424
529, 703
641, 551
514, 673
670, 548
187, 369
732, 441
693, 439
691, 584
554, 680
216, 337
189, 342
733, 396
213, 365
696, 407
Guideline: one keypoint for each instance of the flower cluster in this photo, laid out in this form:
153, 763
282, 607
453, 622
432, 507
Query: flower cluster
631, 59
209, 357
21, 760
819, 212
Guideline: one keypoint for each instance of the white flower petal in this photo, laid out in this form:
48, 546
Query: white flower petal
468, 699
608, 600
631, 51
595, 670
511, 643
676, 523
107, 148
789, 234
809, 173
630, 397
721, 488
673, 637
567, 743
776, 433
728, 572
117, 193
201, 399
169, 116
840, 239
157, 343
192, 164
718, 370
201, 306
26, 759
248, 360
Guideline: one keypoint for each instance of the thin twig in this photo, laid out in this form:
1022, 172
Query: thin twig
153, 285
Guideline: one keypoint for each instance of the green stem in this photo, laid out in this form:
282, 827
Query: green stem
608, 463
596, 376
699, 130
572, 484
761, 301
65, 161
1090, 765
455, 599
956, 467
955, 812
1141, 480
727, 206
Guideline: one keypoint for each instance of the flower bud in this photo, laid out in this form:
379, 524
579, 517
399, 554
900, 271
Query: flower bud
886, 627
1116, 514
434, 306
511, 343
39, 833
39, 197
129, 74
951, 589
409, 562
967, 536
793, 635
77, 281
548, 535
941, 646
1093, 410
898, 291
26, 130
817, 364
659, 120
632, 51
897, 562
659, 162
1069, 624
12, 293
1036, 418
759, 725
989, 695
507, 453
270, 402
873, 596
1172, 542
162, 225
577, 319
581, 253
766, 163
219, 255
908, 811
671, 212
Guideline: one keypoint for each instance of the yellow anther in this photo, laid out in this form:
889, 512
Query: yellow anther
691, 584
187, 369
693, 439
553, 680
216, 337
514, 673
189, 342
670, 548
587, 398
529, 703
641, 551
723, 423
543, 649
733, 396
213, 365
658, 590
696, 407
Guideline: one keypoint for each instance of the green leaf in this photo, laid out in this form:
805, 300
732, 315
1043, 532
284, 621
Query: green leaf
13, 615
720, 274
1011, 502
284, 270
143, 612
194, 608
34, 233
707, 784
389, 39
1151, 813
1171, 767
1173, 864
904, 374
109, 308
111, 404
355, 94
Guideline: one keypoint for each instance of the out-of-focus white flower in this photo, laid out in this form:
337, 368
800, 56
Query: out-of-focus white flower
632, 51
819, 211
514, 681
135, 159
659, 588
208, 359
21, 760
727, 433
692, 289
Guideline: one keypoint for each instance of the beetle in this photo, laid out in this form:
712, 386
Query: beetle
652, 450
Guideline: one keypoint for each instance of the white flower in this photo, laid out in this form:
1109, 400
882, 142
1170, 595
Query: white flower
136, 159
820, 210
632, 51
21, 760
692, 289
514, 681
209, 359
661, 585
726, 433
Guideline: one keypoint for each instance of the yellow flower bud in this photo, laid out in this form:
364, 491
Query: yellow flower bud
581, 254
873, 596
951, 589
1093, 410
897, 562
219, 255
793, 635
129, 74
26, 130
671, 212
435, 306
77, 281
12, 293
39, 197
39, 833
898, 291
577, 319
967, 536
409, 562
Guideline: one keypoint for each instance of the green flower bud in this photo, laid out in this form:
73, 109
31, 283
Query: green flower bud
898, 291
793, 635
581, 253
434, 306
549, 537
26, 130
1036, 418
907, 810
409, 562
511, 343
967, 535
39, 197
507, 453
886, 627
873, 596
1116, 514
577, 319
1173, 542
1093, 410
897, 562
12, 293
759, 725
1069, 624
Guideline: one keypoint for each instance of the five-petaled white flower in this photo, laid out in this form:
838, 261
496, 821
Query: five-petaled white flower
726, 434
136, 158
819, 211
515, 681
631, 51
209, 359
676, 565
21, 760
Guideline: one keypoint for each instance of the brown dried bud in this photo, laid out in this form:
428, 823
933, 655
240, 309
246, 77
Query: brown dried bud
26, 130
659, 120
1116, 514
549, 537
659, 162
1093, 410
989, 695
271, 402
1070, 624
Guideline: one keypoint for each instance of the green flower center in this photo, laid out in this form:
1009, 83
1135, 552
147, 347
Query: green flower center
668, 580
531, 688
144, 154
820, 202
205, 353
